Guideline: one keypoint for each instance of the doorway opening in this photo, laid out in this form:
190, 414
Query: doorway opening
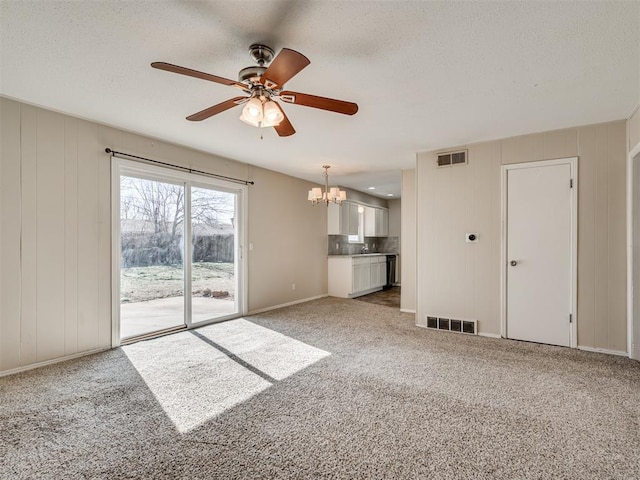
177, 259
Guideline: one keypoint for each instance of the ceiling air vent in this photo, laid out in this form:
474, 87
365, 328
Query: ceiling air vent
452, 158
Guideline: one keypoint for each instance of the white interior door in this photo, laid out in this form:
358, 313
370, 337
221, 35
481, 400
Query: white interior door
539, 252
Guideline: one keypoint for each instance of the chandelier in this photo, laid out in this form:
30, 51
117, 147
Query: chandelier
330, 195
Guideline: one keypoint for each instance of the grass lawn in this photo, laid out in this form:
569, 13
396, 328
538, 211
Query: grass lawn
138, 284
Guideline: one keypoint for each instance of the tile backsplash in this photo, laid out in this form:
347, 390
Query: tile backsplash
339, 245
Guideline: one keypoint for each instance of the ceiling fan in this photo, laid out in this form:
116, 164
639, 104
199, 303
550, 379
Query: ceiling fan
264, 85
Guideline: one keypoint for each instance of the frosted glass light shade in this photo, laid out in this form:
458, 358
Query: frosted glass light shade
272, 114
252, 112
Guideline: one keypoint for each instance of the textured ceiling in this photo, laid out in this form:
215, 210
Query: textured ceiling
426, 75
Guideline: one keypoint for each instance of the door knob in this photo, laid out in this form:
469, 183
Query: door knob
513, 263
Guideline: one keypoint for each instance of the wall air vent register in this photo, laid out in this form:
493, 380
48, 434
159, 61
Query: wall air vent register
452, 158
453, 325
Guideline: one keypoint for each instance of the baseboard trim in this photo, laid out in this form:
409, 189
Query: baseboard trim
53, 361
288, 304
603, 350
488, 335
406, 310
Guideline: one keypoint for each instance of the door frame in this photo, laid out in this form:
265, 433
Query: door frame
171, 175
573, 163
633, 157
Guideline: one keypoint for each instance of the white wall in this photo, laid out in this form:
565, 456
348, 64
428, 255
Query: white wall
634, 129
395, 220
462, 280
289, 237
408, 242
365, 198
55, 232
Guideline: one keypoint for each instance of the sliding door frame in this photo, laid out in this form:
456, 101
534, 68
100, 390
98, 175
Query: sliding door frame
121, 167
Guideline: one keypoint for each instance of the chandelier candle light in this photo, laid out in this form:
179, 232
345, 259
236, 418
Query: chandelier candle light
330, 195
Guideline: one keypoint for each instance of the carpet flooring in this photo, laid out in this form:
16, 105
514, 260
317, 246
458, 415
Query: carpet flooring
327, 389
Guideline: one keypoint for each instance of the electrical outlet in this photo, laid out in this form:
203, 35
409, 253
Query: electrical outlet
250, 245
293, 286
337, 246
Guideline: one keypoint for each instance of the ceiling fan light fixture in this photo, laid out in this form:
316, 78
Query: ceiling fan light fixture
272, 114
252, 113
261, 83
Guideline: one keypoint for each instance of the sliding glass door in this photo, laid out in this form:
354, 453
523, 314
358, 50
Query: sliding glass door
213, 254
151, 256
157, 209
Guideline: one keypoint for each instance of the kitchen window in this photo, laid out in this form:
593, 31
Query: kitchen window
359, 238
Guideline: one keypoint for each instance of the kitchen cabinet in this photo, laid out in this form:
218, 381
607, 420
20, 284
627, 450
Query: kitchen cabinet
378, 271
354, 275
361, 274
376, 222
342, 219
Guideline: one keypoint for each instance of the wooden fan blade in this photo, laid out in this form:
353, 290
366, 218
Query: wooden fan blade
285, 66
284, 129
194, 73
338, 106
221, 107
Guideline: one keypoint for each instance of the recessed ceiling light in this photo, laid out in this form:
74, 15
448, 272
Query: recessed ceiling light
372, 188
389, 194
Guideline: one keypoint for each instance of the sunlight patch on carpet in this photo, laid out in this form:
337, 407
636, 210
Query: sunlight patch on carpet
197, 375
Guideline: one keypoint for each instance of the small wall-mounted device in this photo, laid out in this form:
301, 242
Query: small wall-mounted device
471, 237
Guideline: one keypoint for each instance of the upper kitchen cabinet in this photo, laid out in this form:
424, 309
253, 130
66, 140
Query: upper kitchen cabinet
342, 219
376, 222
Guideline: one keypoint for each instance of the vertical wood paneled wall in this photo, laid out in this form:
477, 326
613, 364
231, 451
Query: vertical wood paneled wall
408, 240
463, 280
55, 232
55, 245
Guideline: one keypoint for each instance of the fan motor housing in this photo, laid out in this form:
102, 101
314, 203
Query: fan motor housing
251, 73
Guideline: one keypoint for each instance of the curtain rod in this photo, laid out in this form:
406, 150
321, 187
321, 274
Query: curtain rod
178, 167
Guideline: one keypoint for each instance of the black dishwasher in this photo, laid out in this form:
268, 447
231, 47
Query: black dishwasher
391, 271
